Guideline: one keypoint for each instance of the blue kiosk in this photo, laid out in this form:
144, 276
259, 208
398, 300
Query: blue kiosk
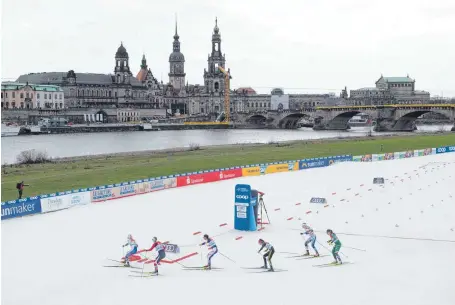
245, 208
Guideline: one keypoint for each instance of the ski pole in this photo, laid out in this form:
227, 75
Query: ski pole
227, 257
356, 249
329, 249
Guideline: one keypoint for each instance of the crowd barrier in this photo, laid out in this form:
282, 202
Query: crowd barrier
64, 200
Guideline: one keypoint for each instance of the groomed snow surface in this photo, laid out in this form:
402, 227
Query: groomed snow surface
57, 258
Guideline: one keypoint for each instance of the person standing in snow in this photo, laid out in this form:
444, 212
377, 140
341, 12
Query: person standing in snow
336, 248
311, 240
270, 250
132, 243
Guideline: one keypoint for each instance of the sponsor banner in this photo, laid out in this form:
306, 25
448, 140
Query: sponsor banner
143, 187
160, 184
313, 163
400, 155
21, 207
367, 158
445, 149
230, 173
198, 178
242, 196
277, 168
389, 156
357, 158
428, 151
418, 153
338, 159
51, 203
251, 171
378, 157
102, 194
433, 151
409, 154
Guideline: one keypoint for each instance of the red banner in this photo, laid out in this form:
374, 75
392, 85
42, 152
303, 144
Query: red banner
198, 179
230, 174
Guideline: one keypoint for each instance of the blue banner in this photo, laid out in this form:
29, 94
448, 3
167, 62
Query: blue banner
21, 207
244, 218
313, 163
445, 149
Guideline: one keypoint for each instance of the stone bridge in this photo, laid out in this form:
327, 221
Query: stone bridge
387, 117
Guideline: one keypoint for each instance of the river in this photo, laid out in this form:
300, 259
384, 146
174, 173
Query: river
70, 145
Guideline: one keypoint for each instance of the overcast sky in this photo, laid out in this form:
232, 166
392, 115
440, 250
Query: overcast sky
314, 45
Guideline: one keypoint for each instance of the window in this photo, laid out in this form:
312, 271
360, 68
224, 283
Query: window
22, 105
27, 95
37, 105
118, 62
22, 95
14, 94
217, 46
45, 96
60, 96
13, 104
7, 105
115, 95
61, 105
256, 105
269, 105
31, 95
2, 97
110, 93
217, 86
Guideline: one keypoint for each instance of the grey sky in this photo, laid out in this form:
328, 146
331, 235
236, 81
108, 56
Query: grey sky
323, 44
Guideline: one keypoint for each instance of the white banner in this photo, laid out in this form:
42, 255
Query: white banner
56, 203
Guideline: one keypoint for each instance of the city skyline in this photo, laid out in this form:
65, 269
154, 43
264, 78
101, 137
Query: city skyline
265, 47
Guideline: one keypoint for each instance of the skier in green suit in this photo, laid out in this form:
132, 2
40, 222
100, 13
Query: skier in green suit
336, 248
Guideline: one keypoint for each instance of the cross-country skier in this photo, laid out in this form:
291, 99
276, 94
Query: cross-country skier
132, 243
336, 248
311, 240
268, 254
159, 247
213, 249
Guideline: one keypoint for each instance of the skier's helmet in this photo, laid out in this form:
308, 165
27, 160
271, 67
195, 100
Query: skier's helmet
303, 224
206, 237
329, 231
154, 239
260, 241
130, 236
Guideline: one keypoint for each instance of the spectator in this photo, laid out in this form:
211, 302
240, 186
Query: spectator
20, 188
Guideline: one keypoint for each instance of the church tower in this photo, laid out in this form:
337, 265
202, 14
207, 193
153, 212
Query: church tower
176, 64
122, 67
213, 78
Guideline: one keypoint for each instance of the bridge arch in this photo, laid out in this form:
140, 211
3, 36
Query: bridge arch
256, 119
291, 120
407, 121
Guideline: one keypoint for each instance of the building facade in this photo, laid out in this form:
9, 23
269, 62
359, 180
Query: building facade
31, 96
390, 90
121, 89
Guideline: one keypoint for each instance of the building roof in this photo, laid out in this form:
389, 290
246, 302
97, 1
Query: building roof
141, 75
367, 89
81, 78
246, 90
18, 86
397, 79
121, 52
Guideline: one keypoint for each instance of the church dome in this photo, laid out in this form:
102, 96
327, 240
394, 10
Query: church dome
121, 51
176, 56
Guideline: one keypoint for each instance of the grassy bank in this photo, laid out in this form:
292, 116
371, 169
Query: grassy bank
92, 171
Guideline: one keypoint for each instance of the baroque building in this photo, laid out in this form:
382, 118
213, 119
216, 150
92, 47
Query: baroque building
122, 90
390, 90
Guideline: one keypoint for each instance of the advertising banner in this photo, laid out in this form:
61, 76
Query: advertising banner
21, 207
277, 168
427, 151
418, 153
102, 194
367, 158
375, 157
251, 171
142, 187
338, 159
51, 203
389, 156
313, 163
198, 178
244, 218
230, 173
445, 149
409, 154
357, 158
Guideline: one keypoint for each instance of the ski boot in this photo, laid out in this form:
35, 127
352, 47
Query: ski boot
271, 269
334, 263
264, 267
316, 254
126, 264
207, 267
307, 253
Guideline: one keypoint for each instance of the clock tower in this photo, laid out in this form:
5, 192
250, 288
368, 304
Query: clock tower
176, 64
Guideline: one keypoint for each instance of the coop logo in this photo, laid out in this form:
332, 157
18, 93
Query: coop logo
262, 169
245, 197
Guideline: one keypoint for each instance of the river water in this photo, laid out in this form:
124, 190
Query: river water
70, 145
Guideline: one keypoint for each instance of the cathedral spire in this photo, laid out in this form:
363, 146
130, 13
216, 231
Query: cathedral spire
143, 62
176, 36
